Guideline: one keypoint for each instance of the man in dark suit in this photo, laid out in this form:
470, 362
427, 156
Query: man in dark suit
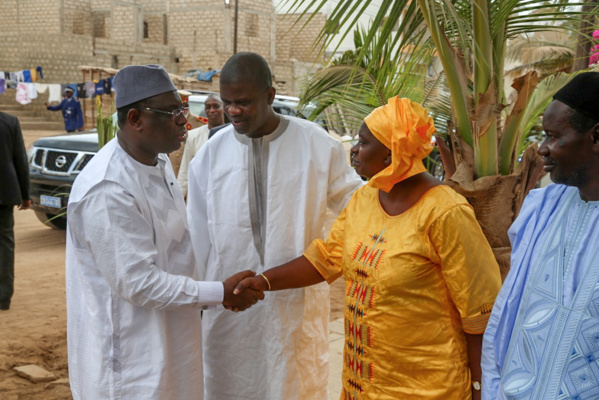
14, 191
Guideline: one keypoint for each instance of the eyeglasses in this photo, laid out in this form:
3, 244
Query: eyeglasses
175, 114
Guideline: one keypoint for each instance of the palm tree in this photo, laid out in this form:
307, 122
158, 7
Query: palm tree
546, 55
355, 83
469, 38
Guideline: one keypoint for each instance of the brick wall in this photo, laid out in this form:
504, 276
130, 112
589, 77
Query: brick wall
59, 55
294, 42
76, 17
127, 53
156, 24
294, 55
61, 35
30, 16
124, 22
203, 32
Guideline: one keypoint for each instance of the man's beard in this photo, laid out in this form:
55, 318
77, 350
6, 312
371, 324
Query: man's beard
578, 178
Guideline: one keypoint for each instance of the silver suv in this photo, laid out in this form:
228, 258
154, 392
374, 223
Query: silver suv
54, 163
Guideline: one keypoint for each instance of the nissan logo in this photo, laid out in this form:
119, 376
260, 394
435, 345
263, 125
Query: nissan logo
60, 161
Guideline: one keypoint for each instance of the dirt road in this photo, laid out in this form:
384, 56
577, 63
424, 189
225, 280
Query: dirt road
33, 331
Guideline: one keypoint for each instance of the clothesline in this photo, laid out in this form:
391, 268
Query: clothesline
27, 88
26, 75
23, 82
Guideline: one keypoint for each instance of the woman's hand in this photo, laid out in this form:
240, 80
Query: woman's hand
240, 301
257, 283
474, 344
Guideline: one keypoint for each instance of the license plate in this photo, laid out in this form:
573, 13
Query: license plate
50, 201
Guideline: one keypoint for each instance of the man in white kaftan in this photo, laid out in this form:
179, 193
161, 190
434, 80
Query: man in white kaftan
196, 138
133, 304
542, 339
261, 199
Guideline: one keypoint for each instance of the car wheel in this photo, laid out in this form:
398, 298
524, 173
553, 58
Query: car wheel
53, 221
438, 170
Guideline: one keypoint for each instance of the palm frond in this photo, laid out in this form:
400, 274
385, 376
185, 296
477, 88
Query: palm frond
469, 37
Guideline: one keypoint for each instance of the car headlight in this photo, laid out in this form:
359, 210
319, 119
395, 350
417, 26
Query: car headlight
30, 152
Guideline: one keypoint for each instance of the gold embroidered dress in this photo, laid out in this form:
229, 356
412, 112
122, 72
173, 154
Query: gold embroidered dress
415, 283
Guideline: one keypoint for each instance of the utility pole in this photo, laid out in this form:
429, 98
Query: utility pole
235, 31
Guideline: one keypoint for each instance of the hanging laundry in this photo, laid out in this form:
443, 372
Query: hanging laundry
39, 72
22, 95
20, 76
90, 89
31, 90
2, 85
26, 76
100, 86
41, 87
33, 73
81, 90
54, 93
107, 86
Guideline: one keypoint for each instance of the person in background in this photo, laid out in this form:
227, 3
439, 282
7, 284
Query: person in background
133, 303
420, 275
14, 191
197, 137
71, 111
258, 195
542, 340
193, 122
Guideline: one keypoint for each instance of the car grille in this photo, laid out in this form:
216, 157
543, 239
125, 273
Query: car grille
84, 161
38, 158
60, 162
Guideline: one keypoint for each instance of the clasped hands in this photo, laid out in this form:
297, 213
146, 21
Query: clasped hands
242, 291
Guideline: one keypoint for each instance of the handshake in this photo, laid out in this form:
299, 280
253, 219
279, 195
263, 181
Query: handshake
243, 290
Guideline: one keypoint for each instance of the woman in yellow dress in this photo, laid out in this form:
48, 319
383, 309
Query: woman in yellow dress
420, 276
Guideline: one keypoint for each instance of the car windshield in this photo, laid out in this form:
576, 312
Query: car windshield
197, 108
196, 105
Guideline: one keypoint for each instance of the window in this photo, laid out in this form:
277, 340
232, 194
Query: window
99, 24
251, 25
331, 27
79, 23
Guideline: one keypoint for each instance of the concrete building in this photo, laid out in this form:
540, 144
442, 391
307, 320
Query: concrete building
338, 44
61, 35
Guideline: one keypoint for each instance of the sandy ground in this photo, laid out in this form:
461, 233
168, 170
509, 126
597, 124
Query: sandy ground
33, 331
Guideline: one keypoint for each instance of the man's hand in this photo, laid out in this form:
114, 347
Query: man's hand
25, 205
253, 283
241, 301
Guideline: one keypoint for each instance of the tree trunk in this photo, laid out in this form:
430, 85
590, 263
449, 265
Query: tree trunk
583, 47
497, 200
